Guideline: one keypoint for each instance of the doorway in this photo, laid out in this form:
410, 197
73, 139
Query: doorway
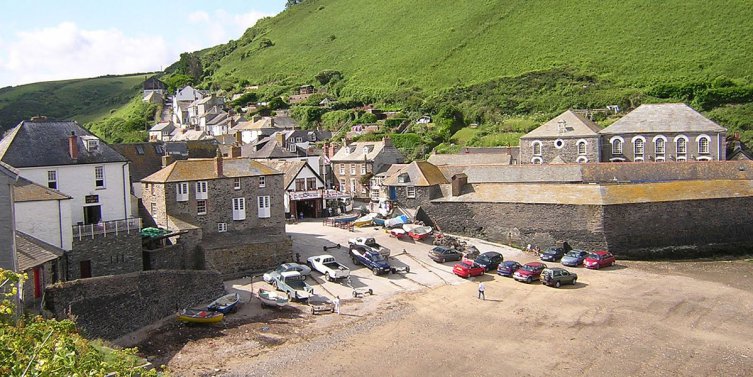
92, 214
86, 269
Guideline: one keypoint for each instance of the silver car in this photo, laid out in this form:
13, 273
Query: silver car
304, 270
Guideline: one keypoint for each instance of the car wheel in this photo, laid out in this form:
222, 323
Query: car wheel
327, 277
557, 284
574, 280
375, 271
355, 261
443, 260
529, 280
312, 310
597, 266
290, 297
611, 264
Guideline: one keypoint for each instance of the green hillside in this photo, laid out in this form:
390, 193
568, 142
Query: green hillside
382, 46
83, 100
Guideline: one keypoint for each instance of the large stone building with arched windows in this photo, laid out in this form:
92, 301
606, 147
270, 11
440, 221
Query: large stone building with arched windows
655, 132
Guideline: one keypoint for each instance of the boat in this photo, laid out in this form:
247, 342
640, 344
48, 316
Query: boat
272, 298
193, 315
397, 233
410, 227
420, 232
225, 304
365, 220
396, 221
345, 218
378, 221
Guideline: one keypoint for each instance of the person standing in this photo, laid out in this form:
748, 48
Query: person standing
481, 290
337, 304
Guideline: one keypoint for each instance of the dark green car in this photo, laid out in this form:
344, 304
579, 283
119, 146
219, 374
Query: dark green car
556, 277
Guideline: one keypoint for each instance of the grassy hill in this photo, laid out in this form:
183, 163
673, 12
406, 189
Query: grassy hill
83, 100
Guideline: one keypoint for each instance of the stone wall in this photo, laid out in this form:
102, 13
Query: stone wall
423, 195
112, 306
670, 147
243, 254
567, 151
109, 254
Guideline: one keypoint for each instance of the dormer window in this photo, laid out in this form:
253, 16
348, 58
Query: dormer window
91, 143
312, 136
403, 178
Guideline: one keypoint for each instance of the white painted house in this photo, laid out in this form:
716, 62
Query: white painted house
64, 156
43, 213
304, 188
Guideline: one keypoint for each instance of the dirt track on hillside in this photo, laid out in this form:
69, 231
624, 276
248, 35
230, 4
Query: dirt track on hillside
626, 320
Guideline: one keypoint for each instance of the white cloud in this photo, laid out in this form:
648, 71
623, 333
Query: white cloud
66, 51
221, 26
198, 16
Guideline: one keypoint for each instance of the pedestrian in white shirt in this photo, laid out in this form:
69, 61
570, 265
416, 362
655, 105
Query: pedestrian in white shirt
481, 290
337, 304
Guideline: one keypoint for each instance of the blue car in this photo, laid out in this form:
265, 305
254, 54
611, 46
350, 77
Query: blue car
552, 254
507, 268
574, 258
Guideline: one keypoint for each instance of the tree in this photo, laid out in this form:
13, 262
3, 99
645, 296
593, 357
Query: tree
291, 3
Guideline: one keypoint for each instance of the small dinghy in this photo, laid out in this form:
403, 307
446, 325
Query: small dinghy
225, 304
272, 298
193, 315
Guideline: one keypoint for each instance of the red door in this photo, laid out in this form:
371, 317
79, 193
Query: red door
37, 282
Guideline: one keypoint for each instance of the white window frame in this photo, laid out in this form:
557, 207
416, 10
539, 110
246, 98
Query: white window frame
52, 179
239, 209
342, 169
352, 185
639, 148
221, 227
410, 192
181, 191
343, 185
262, 181
534, 145
616, 151
99, 175
363, 169
201, 190
537, 160
699, 141
581, 160
291, 147
681, 155
199, 207
153, 209
299, 139
352, 169
263, 204
559, 143
660, 151
583, 143
237, 183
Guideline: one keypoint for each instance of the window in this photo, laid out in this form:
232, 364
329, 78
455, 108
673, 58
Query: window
352, 185
99, 176
363, 169
262, 181
537, 160
139, 149
201, 190
201, 207
559, 143
300, 184
342, 185
403, 178
659, 147
581, 147
410, 191
311, 183
299, 140
239, 209
182, 192
237, 183
342, 169
703, 145
159, 150
92, 144
52, 179
153, 209
291, 147
352, 169
616, 146
536, 148
264, 211
222, 227
638, 148
682, 147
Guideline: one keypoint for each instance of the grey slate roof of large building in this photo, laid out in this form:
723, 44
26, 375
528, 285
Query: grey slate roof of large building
568, 124
45, 143
663, 118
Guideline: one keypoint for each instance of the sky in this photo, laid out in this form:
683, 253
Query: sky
44, 40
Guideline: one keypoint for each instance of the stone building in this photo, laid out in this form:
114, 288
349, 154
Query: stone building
663, 132
567, 138
415, 184
233, 209
303, 188
362, 159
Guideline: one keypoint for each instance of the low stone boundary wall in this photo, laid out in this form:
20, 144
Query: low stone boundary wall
108, 307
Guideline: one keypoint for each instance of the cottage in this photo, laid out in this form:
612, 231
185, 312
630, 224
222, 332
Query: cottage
415, 184
354, 165
304, 188
161, 131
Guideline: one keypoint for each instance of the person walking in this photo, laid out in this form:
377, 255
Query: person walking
337, 304
481, 290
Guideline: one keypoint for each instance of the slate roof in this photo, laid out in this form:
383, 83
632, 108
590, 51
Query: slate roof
145, 158
32, 252
161, 126
566, 125
45, 143
203, 169
663, 118
291, 169
154, 84
354, 151
389, 170
283, 122
7, 170
420, 173
546, 173
270, 150
470, 159
27, 191
188, 135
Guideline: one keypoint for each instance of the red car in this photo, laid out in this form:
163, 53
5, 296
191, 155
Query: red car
529, 272
468, 268
599, 259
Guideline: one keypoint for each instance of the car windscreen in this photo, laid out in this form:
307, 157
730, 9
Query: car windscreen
376, 257
594, 256
281, 269
528, 268
573, 254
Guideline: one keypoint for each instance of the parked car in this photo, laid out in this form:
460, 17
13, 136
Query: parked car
490, 260
467, 268
329, 267
291, 282
529, 272
369, 243
552, 254
555, 277
370, 258
304, 270
441, 254
574, 258
599, 259
507, 268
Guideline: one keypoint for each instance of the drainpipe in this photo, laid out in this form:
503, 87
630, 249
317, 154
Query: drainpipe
60, 224
125, 196
719, 147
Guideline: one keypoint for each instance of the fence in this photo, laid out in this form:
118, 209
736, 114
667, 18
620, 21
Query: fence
107, 227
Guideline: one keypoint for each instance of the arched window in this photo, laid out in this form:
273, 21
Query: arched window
616, 146
638, 148
536, 148
537, 160
581, 147
703, 144
682, 147
659, 145
581, 159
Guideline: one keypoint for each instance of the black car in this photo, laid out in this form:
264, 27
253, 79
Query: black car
443, 254
552, 254
489, 260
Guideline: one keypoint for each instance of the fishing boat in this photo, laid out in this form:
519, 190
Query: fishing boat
396, 221
345, 218
378, 221
193, 315
272, 298
225, 304
420, 232
397, 233
365, 220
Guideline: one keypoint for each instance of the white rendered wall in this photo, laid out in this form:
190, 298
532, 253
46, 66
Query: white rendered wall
46, 221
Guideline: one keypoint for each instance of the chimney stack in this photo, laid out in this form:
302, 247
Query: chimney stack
280, 138
387, 141
218, 164
167, 160
73, 145
235, 151
238, 138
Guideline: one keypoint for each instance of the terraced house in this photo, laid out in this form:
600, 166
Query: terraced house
354, 165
